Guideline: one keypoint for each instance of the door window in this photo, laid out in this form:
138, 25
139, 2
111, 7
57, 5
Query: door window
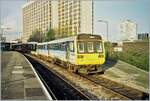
98, 47
81, 47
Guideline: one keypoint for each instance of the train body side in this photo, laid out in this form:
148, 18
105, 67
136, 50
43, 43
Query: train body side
78, 51
48, 49
25, 47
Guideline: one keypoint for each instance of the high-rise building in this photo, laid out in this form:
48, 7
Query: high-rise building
36, 15
75, 16
128, 30
69, 17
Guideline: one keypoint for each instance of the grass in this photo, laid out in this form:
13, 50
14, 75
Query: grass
132, 54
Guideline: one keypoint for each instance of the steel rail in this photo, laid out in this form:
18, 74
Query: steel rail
121, 89
70, 89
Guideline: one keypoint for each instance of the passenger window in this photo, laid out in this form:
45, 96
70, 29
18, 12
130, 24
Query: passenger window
45, 47
90, 47
71, 46
49, 46
98, 47
62, 46
81, 47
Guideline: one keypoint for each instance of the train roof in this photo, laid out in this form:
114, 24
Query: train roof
31, 43
72, 38
58, 40
89, 36
42, 43
25, 43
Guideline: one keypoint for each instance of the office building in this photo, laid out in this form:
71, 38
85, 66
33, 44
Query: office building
74, 17
36, 15
128, 30
68, 17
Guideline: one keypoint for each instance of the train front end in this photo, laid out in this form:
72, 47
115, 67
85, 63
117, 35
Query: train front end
90, 53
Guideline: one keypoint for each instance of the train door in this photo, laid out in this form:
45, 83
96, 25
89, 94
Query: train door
67, 52
48, 49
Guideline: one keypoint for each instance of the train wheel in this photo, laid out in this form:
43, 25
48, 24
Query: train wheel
101, 70
76, 71
73, 68
47, 59
61, 63
53, 61
70, 67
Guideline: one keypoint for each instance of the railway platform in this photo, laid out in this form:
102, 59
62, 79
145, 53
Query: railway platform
127, 74
18, 79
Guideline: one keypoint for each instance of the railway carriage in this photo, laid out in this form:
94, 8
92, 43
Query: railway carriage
81, 53
33, 47
42, 50
25, 47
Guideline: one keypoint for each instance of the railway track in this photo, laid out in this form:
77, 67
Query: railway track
119, 90
58, 87
124, 90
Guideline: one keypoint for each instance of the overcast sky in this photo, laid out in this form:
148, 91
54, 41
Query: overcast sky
114, 11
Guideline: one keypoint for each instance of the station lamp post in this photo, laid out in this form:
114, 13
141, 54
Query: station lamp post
2, 31
106, 22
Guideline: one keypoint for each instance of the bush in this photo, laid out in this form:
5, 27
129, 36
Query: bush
138, 57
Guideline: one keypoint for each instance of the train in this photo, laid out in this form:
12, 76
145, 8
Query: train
24, 47
84, 53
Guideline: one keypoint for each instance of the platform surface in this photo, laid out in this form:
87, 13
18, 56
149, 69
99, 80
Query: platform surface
18, 81
127, 74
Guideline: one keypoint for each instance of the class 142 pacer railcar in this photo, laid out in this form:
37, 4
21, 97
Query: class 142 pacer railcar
81, 53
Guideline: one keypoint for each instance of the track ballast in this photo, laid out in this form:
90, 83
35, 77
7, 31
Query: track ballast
58, 88
121, 89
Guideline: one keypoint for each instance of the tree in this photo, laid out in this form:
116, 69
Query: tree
37, 36
50, 35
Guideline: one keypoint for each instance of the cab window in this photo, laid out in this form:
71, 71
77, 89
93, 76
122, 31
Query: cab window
98, 47
90, 47
81, 47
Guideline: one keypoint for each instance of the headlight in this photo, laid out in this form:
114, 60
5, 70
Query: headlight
80, 56
100, 56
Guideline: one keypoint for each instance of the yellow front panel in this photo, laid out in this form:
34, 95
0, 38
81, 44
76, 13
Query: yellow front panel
89, 59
